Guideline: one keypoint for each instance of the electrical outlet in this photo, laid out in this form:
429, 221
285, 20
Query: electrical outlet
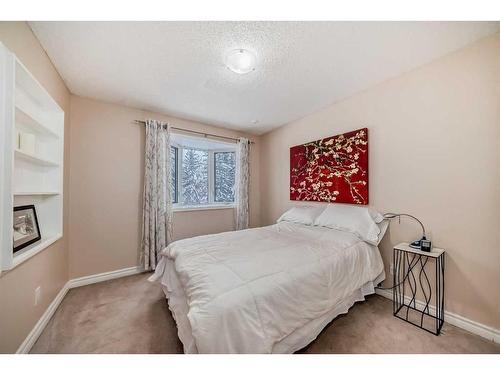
38, 295
391, 269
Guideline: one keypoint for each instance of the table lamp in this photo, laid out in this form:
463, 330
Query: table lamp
417, 244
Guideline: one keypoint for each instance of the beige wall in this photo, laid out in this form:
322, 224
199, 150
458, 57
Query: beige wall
49, 268
434, 138
106, 187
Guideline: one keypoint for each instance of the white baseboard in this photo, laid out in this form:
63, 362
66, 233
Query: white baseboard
74, 283
42, 322
471, 326
97, 278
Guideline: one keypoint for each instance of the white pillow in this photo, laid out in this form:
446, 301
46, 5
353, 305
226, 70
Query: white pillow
302, 214
383, 225
358, 220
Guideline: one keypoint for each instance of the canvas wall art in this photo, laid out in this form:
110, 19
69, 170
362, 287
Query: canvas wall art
333, 169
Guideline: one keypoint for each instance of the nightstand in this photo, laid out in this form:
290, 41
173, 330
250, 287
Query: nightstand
415, 290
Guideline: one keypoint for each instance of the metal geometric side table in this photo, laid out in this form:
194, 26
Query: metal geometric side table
412, 283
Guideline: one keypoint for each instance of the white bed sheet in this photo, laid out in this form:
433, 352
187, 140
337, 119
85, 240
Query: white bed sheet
264, 290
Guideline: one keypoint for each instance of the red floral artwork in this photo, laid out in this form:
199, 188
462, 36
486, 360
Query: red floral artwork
333, 169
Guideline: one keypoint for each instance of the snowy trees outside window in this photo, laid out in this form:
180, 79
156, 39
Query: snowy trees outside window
202, 177
225, 167
194, 177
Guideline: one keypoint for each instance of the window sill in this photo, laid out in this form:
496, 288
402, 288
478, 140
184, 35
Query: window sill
204, 208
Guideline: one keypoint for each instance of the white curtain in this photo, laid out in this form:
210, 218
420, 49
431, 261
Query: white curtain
242, 183
157, 197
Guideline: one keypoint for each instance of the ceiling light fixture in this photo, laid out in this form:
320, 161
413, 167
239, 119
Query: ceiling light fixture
241, 61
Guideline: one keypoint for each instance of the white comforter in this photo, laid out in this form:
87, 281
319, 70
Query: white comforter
247, 290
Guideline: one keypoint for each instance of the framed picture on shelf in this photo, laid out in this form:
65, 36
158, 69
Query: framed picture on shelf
25, 227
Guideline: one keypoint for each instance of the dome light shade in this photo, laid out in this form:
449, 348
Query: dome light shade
241, 61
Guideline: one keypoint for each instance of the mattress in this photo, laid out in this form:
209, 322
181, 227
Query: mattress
264, 290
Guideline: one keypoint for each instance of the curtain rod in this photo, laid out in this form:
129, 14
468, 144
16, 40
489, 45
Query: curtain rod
195, 132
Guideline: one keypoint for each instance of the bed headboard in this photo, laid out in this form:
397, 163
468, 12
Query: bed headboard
333, 169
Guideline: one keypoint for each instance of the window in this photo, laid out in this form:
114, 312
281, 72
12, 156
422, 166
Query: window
203, 172
224, 170
194, 170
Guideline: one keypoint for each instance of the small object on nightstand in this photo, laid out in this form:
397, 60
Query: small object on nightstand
409, 274
425, 245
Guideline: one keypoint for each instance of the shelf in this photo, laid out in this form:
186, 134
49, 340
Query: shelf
25, 255
34, 159
28, 84
22, 117
19, 193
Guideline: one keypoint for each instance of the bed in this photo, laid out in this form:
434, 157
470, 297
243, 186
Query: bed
264, 290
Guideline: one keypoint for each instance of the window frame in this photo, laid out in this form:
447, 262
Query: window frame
212, 204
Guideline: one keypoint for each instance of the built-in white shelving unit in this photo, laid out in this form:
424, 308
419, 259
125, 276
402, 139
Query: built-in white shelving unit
30, 158
29, 175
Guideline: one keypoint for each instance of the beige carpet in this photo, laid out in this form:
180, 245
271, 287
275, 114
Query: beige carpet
130, 315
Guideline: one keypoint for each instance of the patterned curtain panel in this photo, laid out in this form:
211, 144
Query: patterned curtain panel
242, 183
157, 197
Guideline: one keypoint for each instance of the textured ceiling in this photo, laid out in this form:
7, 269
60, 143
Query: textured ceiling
177, 67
